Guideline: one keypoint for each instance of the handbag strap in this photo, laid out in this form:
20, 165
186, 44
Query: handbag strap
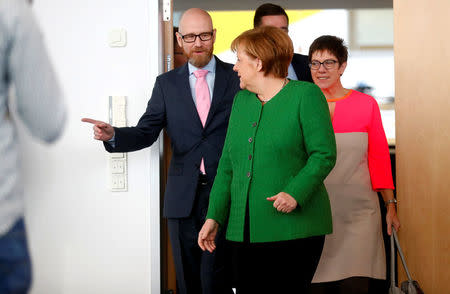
393, 282
397, 243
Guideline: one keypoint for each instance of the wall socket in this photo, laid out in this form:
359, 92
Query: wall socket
118, 166
119, 182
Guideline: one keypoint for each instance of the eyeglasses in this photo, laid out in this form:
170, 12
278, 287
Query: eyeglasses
190, 38
328, 64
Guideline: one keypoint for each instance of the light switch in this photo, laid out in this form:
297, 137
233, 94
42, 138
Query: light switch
118, 111
119, 123
117, 38
119, 100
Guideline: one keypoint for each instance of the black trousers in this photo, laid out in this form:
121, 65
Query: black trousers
352, 285
275, 267
198, 272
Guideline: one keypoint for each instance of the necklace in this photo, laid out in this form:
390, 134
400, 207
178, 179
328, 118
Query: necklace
267, 100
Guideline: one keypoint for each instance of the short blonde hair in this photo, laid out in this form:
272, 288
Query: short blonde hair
269, 44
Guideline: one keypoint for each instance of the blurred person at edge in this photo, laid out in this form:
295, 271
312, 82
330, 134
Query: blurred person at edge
269, 189
269, 14
354, 254
26, 68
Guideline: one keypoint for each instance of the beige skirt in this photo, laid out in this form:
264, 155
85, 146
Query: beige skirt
355, 248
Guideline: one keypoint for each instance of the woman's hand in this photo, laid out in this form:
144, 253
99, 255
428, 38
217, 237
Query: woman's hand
283, 202
392, 219
391, 215
207, 235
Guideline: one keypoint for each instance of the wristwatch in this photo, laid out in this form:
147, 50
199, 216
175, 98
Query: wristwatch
391, 201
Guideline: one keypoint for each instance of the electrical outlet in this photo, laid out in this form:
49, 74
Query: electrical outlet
118, 182
117, 166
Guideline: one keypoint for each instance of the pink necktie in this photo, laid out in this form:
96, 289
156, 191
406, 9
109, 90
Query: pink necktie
203, 100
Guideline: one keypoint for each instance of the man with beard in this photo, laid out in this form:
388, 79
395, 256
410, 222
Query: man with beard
273, 15
193, 103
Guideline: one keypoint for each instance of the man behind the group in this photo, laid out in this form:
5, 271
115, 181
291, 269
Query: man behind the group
193, 103
24, 66
273, 15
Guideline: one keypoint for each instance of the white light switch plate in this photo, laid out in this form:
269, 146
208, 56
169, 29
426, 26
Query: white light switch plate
117, 38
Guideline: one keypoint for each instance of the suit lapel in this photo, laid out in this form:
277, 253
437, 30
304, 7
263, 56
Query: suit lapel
220, 85
187, 99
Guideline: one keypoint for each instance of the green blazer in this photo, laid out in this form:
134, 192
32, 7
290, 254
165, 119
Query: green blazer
286, 145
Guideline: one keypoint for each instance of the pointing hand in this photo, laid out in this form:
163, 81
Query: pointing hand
102, 131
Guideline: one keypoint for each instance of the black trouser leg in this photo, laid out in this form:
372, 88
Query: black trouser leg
277, 267
353, 285
198, 272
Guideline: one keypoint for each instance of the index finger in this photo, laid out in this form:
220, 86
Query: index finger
273, 198
91, 121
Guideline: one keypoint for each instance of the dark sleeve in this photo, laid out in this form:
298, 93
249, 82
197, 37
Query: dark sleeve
146, 132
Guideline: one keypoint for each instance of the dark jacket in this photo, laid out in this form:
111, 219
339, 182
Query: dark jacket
172, 107
300, 64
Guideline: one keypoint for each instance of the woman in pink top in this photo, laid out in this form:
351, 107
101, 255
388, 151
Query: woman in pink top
354, 254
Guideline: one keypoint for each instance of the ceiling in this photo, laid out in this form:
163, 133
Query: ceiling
180, 5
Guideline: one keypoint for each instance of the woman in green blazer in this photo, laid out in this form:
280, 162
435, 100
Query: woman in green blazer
269, 188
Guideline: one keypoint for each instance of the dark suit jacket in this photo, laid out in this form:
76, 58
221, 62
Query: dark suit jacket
301, 67
172, 106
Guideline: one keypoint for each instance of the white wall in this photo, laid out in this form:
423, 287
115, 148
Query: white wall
84, 238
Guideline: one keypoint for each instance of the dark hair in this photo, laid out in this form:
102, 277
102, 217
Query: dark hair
332, 44
265, 10
269, 44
